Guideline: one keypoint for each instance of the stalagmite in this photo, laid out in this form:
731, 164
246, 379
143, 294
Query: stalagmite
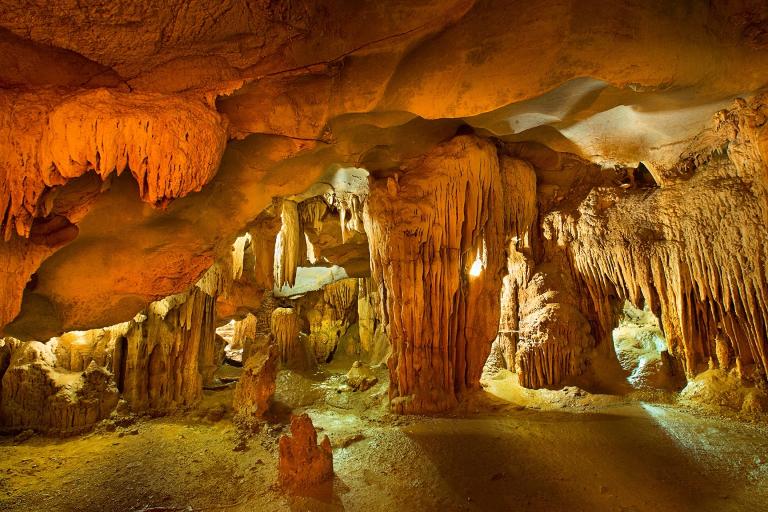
304, 463
253, 394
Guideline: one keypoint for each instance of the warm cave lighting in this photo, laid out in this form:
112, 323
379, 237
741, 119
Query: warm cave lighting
272, 224
477, 267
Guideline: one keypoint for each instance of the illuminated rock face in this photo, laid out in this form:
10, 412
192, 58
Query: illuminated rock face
137, 144
427, 226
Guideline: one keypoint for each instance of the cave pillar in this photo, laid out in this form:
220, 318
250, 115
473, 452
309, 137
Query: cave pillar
436, 235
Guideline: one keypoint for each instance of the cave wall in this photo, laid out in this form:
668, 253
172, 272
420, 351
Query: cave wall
693, 250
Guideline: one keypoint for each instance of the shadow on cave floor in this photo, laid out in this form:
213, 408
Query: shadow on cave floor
615, 455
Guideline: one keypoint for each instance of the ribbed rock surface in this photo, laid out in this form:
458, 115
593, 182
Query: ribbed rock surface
427, 227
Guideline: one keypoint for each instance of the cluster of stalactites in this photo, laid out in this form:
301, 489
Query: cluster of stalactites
341, 295
350, 207
172, 146
694, 251
312, 212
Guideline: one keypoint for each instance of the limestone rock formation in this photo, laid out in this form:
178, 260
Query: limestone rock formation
427, 227
683, 248
167, 168
360, 377
293, 351
37, 395
304, 463
330, 316
253, 394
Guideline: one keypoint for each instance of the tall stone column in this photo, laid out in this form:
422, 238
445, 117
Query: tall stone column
437, 233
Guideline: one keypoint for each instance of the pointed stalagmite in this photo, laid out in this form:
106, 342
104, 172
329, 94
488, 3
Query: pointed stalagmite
304, 463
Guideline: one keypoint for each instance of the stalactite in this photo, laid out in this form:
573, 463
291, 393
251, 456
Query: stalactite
285, 329
288, 245
425, 227
238, 255
694, 250
312, 212
171, 145
341, 295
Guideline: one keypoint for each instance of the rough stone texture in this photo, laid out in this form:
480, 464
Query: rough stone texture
330, 315
37, 395
426, 227
304, 463
253, 394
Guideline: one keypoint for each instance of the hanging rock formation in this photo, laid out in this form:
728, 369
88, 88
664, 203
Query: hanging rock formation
427, 227
292, 350
330, 315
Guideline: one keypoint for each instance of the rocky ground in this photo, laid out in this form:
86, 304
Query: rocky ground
509, 449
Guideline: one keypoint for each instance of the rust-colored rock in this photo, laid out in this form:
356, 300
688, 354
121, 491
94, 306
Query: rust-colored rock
430, 228
304, 463
253, 394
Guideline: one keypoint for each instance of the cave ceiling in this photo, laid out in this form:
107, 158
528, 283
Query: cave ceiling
214, 108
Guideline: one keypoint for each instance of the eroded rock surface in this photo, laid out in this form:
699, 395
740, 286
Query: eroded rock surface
304, 463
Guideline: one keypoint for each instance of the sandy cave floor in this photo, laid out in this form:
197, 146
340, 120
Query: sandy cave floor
543, 451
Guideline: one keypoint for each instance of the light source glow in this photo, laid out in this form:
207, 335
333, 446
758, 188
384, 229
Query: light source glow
477, 267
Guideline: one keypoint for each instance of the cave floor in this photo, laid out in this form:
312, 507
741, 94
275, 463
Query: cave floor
611, 454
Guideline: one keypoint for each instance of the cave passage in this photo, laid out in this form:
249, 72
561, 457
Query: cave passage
321, 255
